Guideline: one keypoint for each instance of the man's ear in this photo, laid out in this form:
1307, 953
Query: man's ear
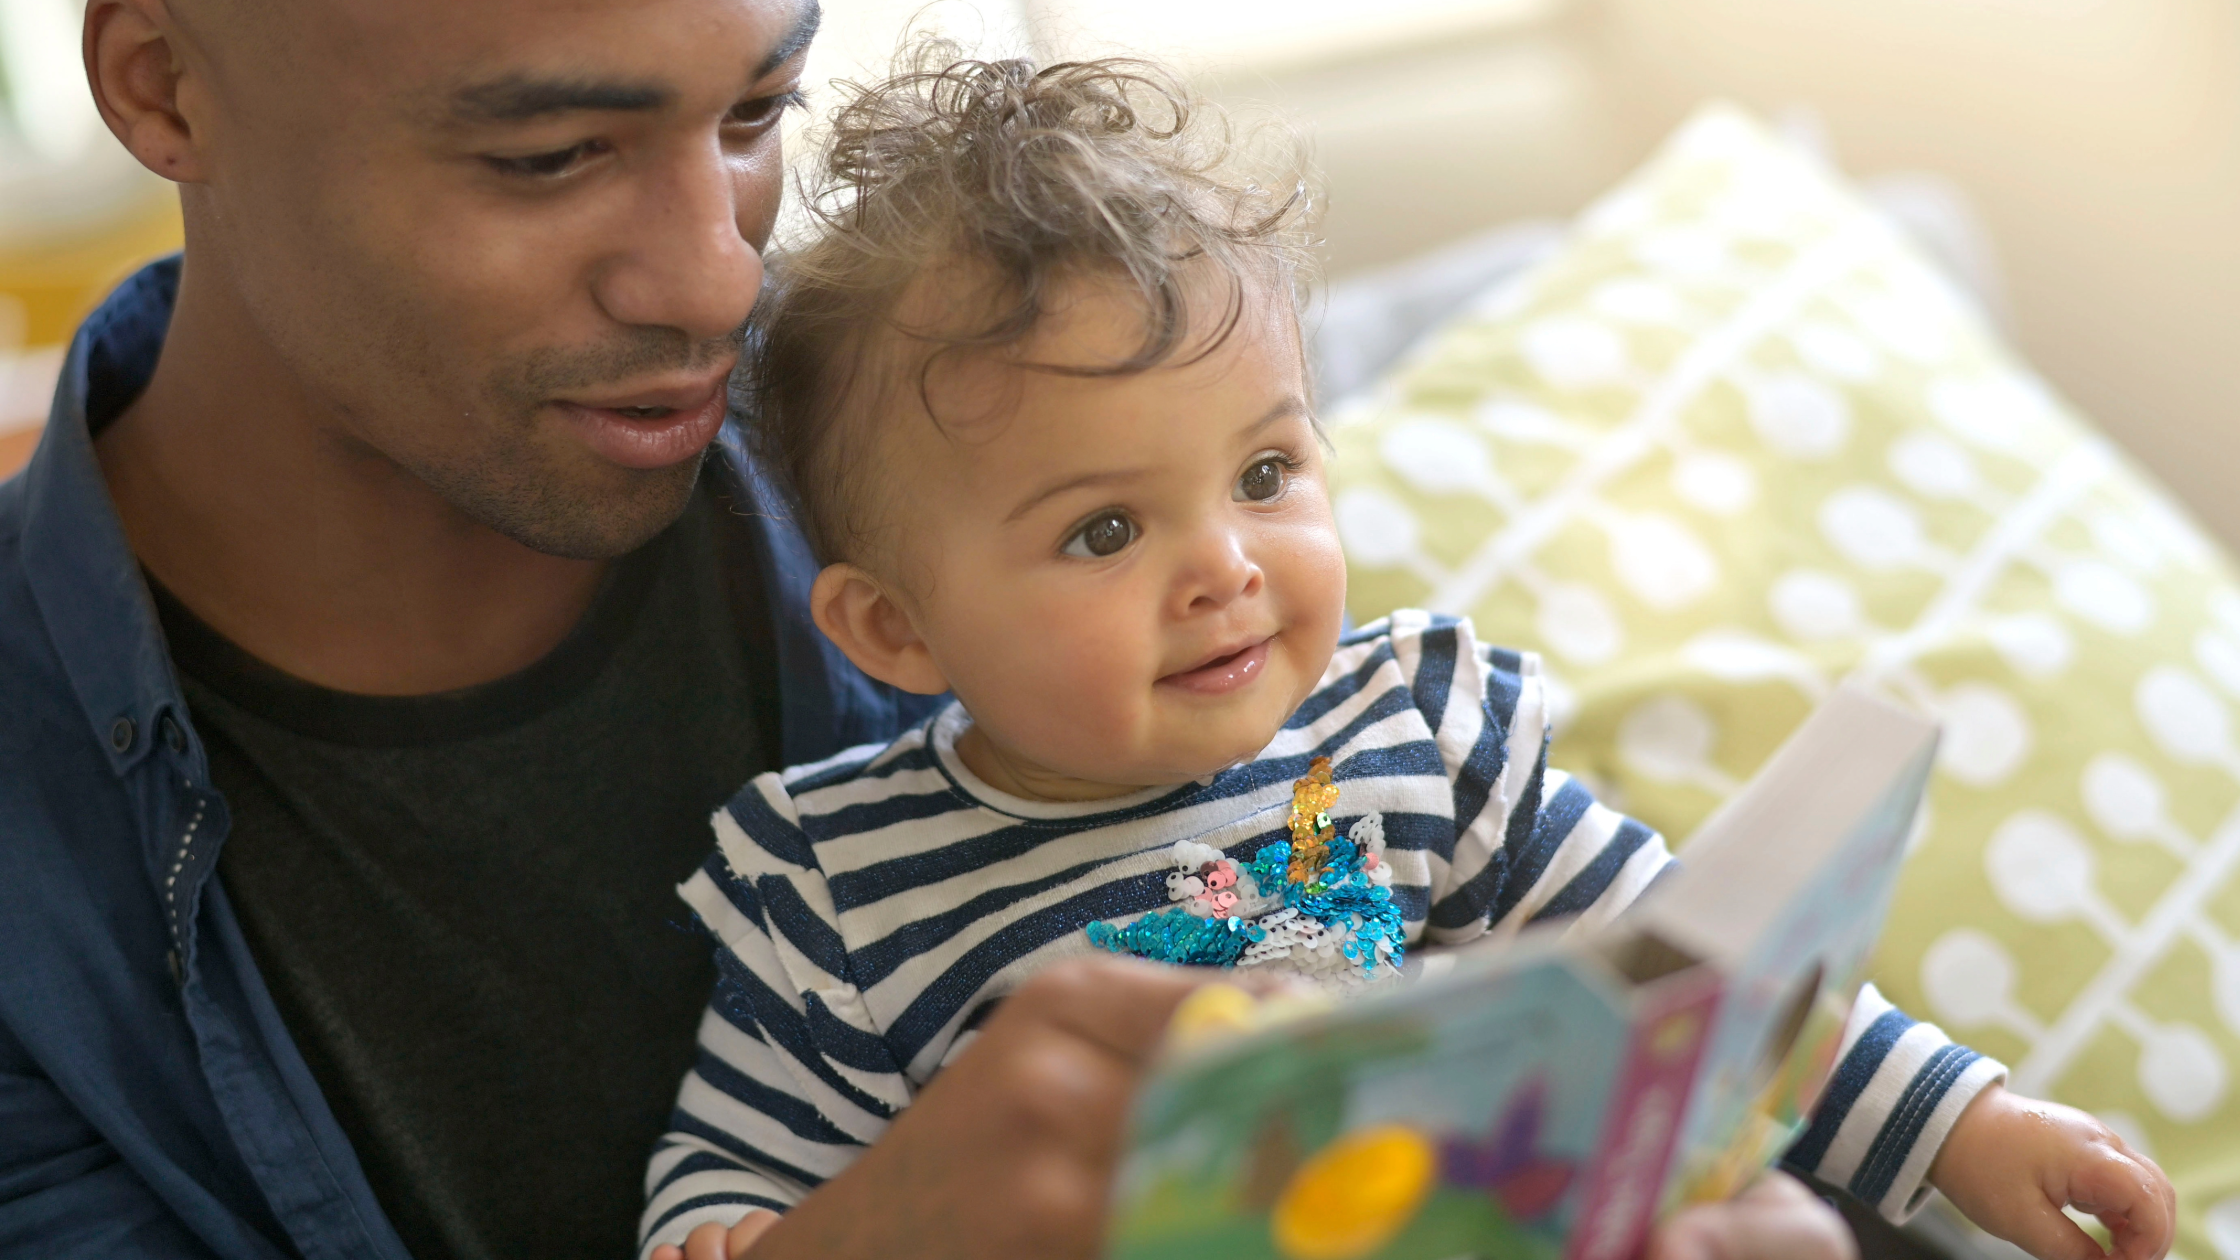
135, 68
875, 631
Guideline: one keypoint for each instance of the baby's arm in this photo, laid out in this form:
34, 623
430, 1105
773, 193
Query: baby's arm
787, 1091
1531, 842
735, 1150
1894, 1097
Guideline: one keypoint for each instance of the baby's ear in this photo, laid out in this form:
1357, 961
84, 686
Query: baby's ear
874, 630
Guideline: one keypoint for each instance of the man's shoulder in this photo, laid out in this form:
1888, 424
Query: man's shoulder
38, 708
75, 875
63, 808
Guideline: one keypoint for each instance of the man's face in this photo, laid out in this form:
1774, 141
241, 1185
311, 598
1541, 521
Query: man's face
504, 245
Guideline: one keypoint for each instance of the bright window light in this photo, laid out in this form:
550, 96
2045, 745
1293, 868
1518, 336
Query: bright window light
1268, 34
46, 82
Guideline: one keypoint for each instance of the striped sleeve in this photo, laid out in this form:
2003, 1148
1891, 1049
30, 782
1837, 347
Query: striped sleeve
1896, 1092
1531, 842
791, 1081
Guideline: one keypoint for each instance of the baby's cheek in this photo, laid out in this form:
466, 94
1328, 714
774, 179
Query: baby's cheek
1313, 597
1073, 684
1306, 566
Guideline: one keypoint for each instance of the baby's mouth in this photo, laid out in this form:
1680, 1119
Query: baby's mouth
1224, 673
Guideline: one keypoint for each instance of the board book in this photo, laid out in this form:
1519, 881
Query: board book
1549, 1096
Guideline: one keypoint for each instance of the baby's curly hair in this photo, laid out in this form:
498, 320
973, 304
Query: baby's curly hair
1027, 177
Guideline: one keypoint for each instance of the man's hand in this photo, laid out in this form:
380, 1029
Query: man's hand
2012, 1163
1010, 1151
1775, 1219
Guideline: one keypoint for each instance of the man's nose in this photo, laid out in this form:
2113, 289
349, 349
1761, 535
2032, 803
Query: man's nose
684, 262
1217, 571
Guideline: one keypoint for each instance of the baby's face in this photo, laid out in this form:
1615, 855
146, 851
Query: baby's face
1131, 580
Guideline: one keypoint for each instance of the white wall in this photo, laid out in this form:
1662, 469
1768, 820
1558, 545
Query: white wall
2099, 139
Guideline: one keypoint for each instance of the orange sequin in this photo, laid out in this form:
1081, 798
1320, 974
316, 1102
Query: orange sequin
1311, 828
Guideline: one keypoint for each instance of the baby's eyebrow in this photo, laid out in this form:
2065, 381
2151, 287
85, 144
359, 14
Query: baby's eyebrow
1286, 407
1106, 477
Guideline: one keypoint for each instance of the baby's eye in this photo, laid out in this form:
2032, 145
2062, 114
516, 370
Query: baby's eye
1262, 479
1101, 535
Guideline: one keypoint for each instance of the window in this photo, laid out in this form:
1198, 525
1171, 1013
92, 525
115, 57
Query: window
1268, 35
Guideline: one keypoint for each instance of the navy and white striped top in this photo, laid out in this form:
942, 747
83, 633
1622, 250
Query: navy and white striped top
872, 908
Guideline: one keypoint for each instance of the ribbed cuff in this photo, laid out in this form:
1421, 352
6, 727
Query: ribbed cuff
1891, 1102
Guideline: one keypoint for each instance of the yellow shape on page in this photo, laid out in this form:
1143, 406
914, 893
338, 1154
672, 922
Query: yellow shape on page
1219, 1011
1355, 1195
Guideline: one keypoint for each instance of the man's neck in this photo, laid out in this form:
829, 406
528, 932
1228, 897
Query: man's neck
242, 495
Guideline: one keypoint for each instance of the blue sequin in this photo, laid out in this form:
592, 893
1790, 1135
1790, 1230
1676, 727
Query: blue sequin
1177, 936
1339, 894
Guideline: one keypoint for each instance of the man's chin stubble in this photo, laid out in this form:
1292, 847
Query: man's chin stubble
546, 514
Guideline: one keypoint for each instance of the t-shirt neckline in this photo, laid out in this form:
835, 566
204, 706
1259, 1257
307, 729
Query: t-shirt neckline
951, 724
359, 720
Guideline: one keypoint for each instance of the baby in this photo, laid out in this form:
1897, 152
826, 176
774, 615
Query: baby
1038, 389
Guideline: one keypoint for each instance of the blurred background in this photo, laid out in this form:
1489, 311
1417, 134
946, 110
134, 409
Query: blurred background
2083, 156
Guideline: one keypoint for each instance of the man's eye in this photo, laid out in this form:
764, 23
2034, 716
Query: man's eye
764, 110
1262, 480
1101, 535
547, 165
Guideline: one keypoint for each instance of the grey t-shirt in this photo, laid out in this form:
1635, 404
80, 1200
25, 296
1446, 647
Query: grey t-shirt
465, 906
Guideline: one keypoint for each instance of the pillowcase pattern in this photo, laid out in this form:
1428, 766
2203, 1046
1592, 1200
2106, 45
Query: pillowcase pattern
1738, 441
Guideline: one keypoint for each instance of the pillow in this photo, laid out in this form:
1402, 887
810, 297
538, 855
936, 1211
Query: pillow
1736, 441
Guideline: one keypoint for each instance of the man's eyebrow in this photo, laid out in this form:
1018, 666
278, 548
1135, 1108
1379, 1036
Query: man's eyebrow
520, 98
786, 49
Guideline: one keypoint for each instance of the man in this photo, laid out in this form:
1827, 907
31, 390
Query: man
378, 633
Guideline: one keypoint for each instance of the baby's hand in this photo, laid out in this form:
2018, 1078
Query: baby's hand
713, 1242
2012, 1163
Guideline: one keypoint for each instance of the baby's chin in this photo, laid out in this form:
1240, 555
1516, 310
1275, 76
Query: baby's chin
1155, 770
1135, 755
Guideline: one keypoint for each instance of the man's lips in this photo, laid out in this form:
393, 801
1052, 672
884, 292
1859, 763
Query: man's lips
650, 428
1224, 673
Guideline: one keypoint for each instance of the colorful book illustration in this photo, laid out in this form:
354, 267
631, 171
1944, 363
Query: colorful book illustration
1547, 1098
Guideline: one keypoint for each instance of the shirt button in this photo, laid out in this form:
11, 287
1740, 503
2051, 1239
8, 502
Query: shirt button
120, 734
178, 971
173, 734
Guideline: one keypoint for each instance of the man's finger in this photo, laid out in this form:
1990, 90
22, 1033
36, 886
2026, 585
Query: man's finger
1775, 1219
1119, 1005
750, 1227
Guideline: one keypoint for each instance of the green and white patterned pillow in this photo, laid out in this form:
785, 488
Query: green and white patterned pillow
1736, 441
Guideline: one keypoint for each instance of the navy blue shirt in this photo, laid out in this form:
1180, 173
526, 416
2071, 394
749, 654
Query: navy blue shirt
152, 1101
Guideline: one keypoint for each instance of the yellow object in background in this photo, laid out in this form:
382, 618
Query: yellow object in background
48, 283
58, 280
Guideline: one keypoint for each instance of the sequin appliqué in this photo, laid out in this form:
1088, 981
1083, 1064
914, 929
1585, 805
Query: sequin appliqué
1318, 903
